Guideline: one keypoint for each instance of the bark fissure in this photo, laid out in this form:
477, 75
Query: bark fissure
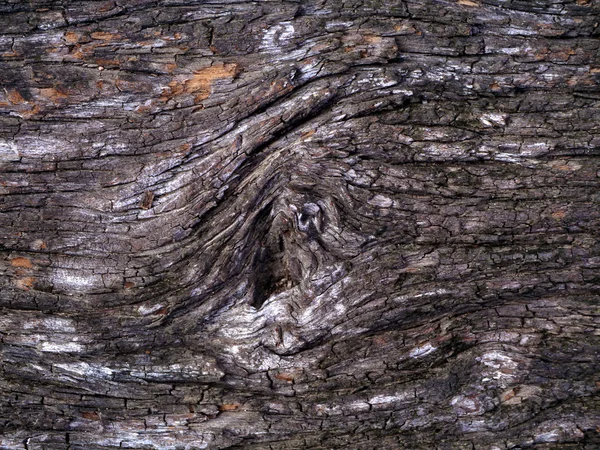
314, 225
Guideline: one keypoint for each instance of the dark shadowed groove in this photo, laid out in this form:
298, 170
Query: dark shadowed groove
394, 247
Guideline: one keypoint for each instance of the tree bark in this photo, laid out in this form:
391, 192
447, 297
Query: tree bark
315, 224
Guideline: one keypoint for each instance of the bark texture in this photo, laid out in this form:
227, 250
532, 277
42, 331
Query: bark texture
315, 224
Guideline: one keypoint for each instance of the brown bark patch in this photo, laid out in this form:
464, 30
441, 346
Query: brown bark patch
146, 202
373, 39
229, 407
108, 62
16, 98
308, 134
507, 395
31, 112
406, 28
90, 415
72, 37
25, 283
53, 94
200, 84
22, 262
284, 377
104, 36
80, 52
107, 7
518, 394
185, 148
38, 244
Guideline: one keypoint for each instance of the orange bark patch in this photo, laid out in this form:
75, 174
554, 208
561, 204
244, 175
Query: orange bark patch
25, 108
558, 214
53, 94
565, 54
31, 112
308, 134
468, 3
129, 284
104, 36
22, 262
373, 40
281, 86
79, 51
71, 37
229, 407
108, 62
563, 168
25, 283
405, 28
200, 84
15, 97
55, 50
144, 108
175, 88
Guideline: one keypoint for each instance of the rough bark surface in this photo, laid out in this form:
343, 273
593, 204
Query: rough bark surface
316, 224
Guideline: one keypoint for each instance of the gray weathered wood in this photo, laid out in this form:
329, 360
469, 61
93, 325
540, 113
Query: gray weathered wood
315, 224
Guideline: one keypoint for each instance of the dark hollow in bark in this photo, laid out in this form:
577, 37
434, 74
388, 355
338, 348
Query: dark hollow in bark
315, 224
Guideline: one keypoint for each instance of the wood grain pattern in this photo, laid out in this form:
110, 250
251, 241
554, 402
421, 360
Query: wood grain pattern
299, 224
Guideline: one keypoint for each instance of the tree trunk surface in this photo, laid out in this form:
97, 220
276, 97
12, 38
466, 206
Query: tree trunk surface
320, 224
